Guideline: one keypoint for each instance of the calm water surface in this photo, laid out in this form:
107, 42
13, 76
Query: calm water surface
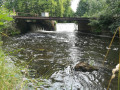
52, 56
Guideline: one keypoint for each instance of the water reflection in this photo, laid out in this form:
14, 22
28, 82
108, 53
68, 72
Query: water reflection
52, 55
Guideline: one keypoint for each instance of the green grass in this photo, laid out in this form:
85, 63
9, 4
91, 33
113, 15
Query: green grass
10, 75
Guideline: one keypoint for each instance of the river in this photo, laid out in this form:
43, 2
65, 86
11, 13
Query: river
52, 56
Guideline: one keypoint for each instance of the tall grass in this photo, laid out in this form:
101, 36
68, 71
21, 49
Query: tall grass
10, 75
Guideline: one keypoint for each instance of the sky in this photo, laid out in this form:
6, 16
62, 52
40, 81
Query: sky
74, 4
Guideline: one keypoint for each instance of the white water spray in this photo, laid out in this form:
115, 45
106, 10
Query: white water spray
67, 27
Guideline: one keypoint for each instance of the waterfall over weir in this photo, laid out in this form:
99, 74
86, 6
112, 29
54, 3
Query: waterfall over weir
60, 27
68, 27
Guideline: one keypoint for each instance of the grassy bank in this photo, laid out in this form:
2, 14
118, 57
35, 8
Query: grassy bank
10, 75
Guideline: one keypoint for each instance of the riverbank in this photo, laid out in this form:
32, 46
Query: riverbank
10, 75
14, 76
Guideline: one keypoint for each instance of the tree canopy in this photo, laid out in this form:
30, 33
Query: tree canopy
57, 8
107, 12
91, 8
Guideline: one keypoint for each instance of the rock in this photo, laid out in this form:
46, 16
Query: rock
85, 67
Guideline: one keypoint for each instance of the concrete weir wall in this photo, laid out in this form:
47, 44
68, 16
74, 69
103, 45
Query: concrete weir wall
26, 25
83, 26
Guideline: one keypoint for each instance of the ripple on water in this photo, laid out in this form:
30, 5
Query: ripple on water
54, 55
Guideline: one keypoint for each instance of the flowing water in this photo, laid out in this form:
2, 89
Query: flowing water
53, 55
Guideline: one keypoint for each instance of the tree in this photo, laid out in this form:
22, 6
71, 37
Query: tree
107, 12
82, 8
91, 8
54, 7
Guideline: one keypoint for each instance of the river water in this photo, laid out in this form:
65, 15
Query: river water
52, 55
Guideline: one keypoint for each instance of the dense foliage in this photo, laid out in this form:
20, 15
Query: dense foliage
57, 8
111, 18
6, 22
107, 12
4, 18
90, 8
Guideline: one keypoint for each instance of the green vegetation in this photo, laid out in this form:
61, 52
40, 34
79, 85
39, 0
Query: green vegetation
10, 76
56, 8
107, 13
6, 22
91, 8
4, 18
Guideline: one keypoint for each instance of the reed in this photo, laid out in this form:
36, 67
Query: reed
117, 68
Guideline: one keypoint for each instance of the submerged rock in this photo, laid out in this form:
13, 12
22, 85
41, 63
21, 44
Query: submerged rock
85, 67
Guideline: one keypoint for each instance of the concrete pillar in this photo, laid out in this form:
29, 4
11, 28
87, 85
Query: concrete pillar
83, 26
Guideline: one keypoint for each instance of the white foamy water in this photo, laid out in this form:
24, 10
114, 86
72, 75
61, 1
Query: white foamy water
68, 27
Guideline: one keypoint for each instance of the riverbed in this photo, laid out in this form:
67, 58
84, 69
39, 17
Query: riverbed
52, 56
